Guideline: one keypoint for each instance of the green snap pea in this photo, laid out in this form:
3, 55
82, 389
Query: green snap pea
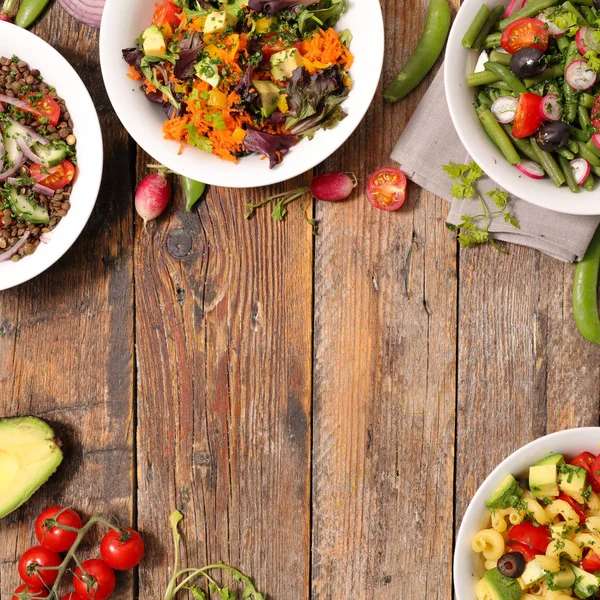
507, 76
482, 78
589, 184
563, 43
587, 12
523, 145
501, 85
483, 98
497, 135
500, 57
584, 117
493, 40
428, 50
476, 26
29, 11
549, 165
548, 73
491, 22
568, 173
585, 292
193, 191
587, 100
577, 134
531, 9
494, 95
584, 152
565, 153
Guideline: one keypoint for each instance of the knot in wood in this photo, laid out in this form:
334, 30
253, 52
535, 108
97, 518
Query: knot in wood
179, 243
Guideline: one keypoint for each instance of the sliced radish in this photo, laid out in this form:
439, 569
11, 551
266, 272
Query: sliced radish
550, 108
531, 169
513, 7
585, 40
581, 169
505, 108
553, 29
579, 76
483, 58
596, 140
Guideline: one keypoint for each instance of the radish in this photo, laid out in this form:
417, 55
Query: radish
332, 187
579, 76
553, 29
550, 108
585, 40
505, 108
581, 170
513, 7
153, 195
531, 169
596, 140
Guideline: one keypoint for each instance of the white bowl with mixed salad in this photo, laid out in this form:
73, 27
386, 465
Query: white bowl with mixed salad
241, 93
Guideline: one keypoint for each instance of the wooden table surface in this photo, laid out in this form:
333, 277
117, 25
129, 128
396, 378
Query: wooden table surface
321, 409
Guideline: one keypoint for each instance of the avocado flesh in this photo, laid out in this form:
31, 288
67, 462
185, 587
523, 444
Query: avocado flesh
501, 587
553, 459
506, 494
543, 481
29, 455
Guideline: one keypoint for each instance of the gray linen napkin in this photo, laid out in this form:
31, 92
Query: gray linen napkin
422, 149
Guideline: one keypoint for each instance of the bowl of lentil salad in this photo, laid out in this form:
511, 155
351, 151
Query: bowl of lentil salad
145, 121
51, 156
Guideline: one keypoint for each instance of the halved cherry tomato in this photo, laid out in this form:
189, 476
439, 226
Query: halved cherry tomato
167, 12
386, 189
535, 537
272, 44
528, 118
525, 33
25, 592
576, 506
54, 178
591, 562
44, 107
584, 461
527, 552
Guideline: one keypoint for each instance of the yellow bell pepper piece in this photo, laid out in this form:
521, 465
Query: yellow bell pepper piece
282, 104
217, 99
263, 25
239, 134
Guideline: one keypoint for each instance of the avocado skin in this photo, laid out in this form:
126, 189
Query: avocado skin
501, 587
508, 493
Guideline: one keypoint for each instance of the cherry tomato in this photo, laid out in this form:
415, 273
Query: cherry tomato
528, 118
574, 504
44, 107
584, 461
528, 534
527, 552
122, 550
54, 178
386, 189
272, 44
167, 12
71, 596
594, 476
591, 562
525, 33
55, 538
38, 556
27, 591
94, 580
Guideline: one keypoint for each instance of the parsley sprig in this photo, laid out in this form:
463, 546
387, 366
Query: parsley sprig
474, 230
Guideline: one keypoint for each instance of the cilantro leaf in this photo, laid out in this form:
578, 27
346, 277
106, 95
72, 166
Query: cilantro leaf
200, 141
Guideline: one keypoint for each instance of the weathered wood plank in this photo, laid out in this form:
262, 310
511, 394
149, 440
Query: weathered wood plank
223, 311
66, 339
384, 373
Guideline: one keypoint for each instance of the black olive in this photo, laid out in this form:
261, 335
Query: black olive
524, 483
527, 62
597, 4
553, 136
511, 565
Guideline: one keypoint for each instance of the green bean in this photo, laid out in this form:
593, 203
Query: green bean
580, 18
568, 173
548, 163
507, 76
565, 153
584, 152
563, 43
584, 117
592, 148
482, 78
476, 26
501, 85
585, 292
580, 136
493, 40
497, 135
491, 22
29, 11
500, 57
569, 92
428, 50
586, 11
193, 191
589, 184
548, 73
484, 98
523, 145
573, 147
494, 95
587, 100
584, 3
531, 9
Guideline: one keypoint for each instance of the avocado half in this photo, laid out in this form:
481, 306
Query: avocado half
29, 455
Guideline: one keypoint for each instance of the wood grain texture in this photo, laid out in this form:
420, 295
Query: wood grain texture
66, 340
223, 311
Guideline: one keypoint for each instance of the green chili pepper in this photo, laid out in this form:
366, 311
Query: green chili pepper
29, 11
585, 293
193, 191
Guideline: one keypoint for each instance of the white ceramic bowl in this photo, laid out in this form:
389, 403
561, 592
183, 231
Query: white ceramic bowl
58, 73
122, 23
459, 63
468, 566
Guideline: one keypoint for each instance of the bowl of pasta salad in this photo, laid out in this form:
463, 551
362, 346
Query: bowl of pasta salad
532, 530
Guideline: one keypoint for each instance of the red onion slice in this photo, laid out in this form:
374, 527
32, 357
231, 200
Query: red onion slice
10, 253
12, 170
15, 102
38, 188
88, 12
28, 152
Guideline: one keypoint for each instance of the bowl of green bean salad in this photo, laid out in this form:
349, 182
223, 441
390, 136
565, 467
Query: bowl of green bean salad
522, 84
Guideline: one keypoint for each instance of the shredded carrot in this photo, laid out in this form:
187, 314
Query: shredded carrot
133, 74
325, 47
150, 87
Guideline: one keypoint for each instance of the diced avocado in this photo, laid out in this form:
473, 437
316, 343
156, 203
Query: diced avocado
572, 481
208, 71
533, 573
269, 96
586, 584
284, 63
543, 481
564, 579
553, 459
154, 42
218, 21
29, 454
501, 587
26, 208
506, 494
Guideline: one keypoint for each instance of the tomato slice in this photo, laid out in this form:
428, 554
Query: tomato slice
591, 562
527, 552
528, 118
525, 33
576, 506
532, 536
272, 44
54, 178
386, 189
44, 107
167, 12
584, 461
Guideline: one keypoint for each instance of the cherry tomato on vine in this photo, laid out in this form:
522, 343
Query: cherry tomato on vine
94, 580
71, 596
38, 556
122, 550
55, 538
386, 189
26, 592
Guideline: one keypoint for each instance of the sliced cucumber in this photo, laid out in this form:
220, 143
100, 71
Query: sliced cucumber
26, 208
10, 134
52, 154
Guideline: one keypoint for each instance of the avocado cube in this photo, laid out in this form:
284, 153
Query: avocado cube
208, 71
218, 21
586, 584
543, 481
564, 579
269, 96
533, 572
572, 481
553, 459
284, 63
501, 587
154, 42
506, 494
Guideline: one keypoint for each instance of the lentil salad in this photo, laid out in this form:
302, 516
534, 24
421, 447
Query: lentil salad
37, 159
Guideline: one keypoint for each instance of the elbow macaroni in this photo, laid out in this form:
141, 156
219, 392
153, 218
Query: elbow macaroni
489, 542
560, 508
566, 548
482, 591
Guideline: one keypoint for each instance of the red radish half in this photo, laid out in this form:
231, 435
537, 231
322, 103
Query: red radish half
579, 76
596, 140
553, 29
581, 169
531, 169
585, 40
550, 108
513, 7
505, 108
333, 187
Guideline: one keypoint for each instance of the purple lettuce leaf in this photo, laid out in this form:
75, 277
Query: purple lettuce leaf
190, 47
273, 146
270, 7
133, 57
306, 93
245, 88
